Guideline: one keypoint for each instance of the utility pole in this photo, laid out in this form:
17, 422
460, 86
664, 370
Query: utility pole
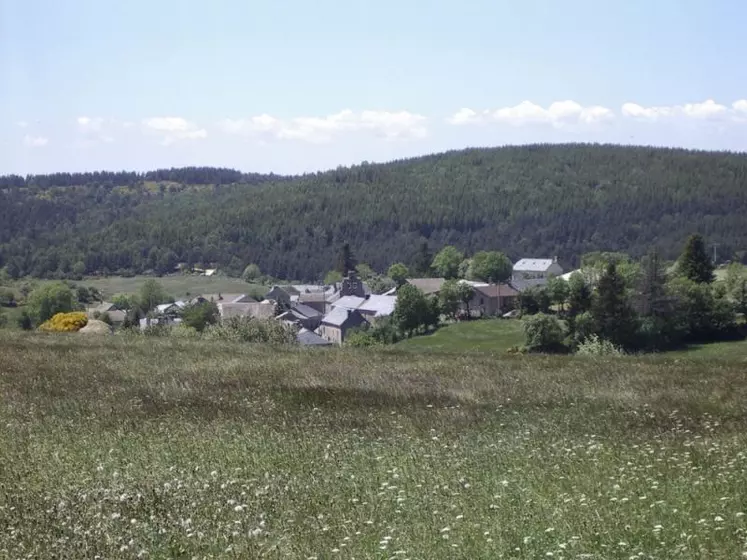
714, 253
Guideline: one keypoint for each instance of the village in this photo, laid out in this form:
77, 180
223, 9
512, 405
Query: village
324, 315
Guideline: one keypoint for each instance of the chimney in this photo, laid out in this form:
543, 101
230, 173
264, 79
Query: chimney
555, 259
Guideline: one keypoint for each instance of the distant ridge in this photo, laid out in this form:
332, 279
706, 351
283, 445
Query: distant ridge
535, 200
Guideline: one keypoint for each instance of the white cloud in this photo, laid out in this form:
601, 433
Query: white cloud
464, 116
636, 111
708, 110
558, 114
22, 124
389, 125
35, 141
740, 106
173, 129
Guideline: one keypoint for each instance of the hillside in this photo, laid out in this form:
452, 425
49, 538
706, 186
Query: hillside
539, 200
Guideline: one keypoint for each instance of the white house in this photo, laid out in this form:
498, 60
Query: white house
537, 270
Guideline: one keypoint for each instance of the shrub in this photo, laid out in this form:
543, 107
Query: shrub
248, 329
157, 329
24, 322
7, 298
544, 333
595, 346
200, 315
49, 300
65, 322
361, 339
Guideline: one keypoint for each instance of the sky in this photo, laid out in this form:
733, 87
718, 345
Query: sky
295, 86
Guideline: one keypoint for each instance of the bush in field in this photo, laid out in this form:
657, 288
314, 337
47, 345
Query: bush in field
544, 333
65, 322
595, 346
247, 329
200, 315
50, 299
361, 339
7, 298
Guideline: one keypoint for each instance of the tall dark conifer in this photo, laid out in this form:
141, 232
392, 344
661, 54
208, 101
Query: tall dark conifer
694, 262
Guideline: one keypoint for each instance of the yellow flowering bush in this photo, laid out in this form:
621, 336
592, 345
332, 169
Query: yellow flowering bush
65, 322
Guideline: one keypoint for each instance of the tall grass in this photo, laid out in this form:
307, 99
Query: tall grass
174, 448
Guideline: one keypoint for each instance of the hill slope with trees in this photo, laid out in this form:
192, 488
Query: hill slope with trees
540, 200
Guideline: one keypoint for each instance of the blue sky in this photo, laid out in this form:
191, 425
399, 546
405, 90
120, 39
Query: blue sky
297, 86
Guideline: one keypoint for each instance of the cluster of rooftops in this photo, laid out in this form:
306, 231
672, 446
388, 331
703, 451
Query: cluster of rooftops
324, 314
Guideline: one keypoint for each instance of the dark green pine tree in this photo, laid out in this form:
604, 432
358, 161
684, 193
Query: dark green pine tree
422, 260
694, 262
346, 261
614, 319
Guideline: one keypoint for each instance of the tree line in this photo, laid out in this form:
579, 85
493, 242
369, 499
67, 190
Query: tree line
529, 201
631, 307
186, 175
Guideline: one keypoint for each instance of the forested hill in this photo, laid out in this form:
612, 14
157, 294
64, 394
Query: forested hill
541, 200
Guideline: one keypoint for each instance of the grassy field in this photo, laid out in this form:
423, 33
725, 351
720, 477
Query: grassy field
179, 286
494, 336
125, 448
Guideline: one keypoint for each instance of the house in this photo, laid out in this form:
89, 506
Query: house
115, 313
223, 298
429, 286
257, 310
305, 337
281, 296
377, 306
494, 299
211, 271
353, 286
338, 322
168, 309
321, 301
303, 315
371, 306
349, 302
536, 269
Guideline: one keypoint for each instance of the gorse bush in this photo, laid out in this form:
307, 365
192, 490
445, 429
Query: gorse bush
595, 346
65, 322
247, 329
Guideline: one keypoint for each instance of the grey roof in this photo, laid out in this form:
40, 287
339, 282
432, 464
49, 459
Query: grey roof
306, 337
305, 310
520, 285
165, 307
533, 265
349, 302
229, 298
319, 296
339, 316
378, 306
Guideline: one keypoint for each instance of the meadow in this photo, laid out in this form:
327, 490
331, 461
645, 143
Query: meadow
129, 447
490, 335
178, 285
